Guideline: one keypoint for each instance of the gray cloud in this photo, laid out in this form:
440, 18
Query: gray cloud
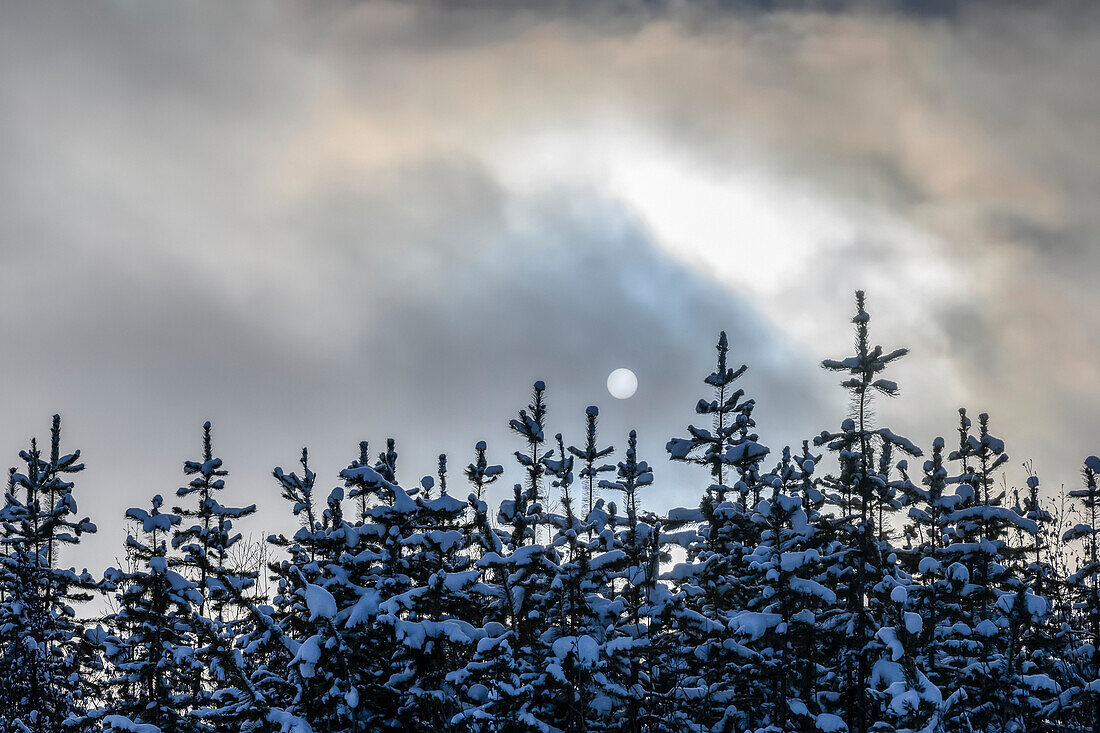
319, 224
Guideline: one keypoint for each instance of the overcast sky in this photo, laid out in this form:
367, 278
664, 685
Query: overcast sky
319, 223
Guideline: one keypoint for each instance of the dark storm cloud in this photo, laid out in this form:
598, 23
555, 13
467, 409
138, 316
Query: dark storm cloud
317, 224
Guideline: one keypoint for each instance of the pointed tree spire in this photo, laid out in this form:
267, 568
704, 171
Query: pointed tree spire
730, 441
530, 425
480, 473
590, 454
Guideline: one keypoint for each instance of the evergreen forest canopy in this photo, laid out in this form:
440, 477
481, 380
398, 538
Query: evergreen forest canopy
900, 590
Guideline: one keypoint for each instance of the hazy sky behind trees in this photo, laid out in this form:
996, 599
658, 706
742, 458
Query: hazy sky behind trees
317, 223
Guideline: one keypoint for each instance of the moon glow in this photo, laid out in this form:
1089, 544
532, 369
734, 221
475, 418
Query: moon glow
622, 384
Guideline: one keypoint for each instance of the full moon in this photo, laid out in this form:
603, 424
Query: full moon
622, 383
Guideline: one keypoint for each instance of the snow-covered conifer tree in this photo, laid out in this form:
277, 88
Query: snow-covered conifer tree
729, 441
715, 578
1082, 696
41, 650
628, 647
207, 543
937, 591
386, 465
862, 493
205, 537
354, 489
988, 678
590, 454
480, 473
779, 623
433, 622
520, 600
148, 641
575, 570
530, 425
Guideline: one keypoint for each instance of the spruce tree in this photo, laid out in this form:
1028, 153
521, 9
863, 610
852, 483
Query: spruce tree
522, 598
862, 489
715, 578
41, 651
149, 641
491, 678
590, 454
729, 441
530, 425
433, 625
481, 473
572, 612
778, 623
386, 465
939, 584
355, 489
208, 542
629, 646
1083, 655
205, 538
377, 572
985, 525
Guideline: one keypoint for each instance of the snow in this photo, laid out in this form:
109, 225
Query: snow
754, 624
958, 573
678, 448
583, 648
488, 643
152, 522
903, 698
747, 451
812, 588
457, 581
995, 513
120, 723
889, 637
681, 514
886, 673
607, 558
791, 561
1077, 532
308, 656
287, 722
1041, 682
829, 723
986, 628
805, 616
478, 693
904, 443
320, 602
928, 565
1035, 606
444, 504
402, 502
